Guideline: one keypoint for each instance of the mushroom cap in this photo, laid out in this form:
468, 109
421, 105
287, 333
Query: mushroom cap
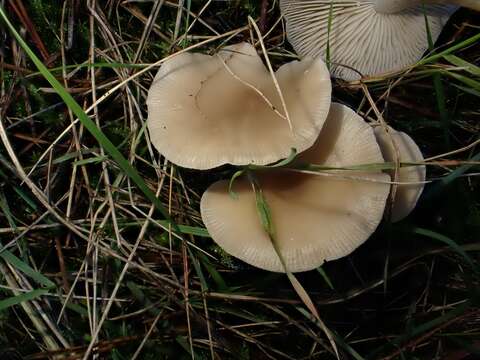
201, 116
360, 37
316, 218
406, 196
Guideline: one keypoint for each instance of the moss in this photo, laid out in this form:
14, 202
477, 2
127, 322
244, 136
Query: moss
224, 258
46, 17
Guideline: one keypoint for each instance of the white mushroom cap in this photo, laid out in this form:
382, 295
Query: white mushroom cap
361, 37
406, 196
316, 218
201, 116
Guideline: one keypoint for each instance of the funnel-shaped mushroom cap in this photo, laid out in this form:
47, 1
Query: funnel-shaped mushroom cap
406, 196
361, 37
206, 111
316, 217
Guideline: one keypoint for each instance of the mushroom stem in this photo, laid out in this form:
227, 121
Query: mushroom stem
394, 6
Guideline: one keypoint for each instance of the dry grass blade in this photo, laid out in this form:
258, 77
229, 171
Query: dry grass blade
269, 227
272, 73
236, 77
313, 310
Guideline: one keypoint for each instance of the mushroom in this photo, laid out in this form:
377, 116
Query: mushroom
405, 150
205, 111
366, 37
316, 217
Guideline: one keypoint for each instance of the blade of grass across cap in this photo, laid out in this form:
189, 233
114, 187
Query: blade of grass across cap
329, 30
234, 177
88, 123
360, 167
265, 216
15, 300
237, 174
270, 105
287, 161
264, 213
281, 163
272, 73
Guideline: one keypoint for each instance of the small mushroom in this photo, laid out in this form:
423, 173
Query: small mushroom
366, 37
205, 111
407, 151
316, 217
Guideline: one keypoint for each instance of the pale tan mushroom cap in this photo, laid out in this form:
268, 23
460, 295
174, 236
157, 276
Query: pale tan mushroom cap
317, 218
406, 196
361, 38
200, 116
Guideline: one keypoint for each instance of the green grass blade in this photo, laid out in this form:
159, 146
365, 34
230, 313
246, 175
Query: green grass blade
281, 163
325, 277
18, 190
467, 90
452, 49
217, 278
420, 329
6, 210
198, 270
439, 90
265, 217
92, 160
26, 269
88, 123
338, 339
329, 31
447, 180
473, 84
189, 230
99, 65
442, 107
446, 240
15, 300
469, 67
234, 177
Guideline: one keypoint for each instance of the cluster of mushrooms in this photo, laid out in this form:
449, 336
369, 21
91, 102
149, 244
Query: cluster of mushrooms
206, 111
